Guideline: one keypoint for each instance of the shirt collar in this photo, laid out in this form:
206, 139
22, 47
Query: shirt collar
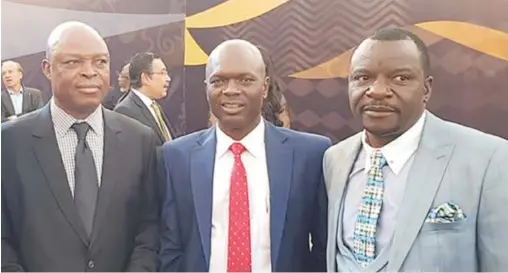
144, 98
398, 152
15, 93
63, 121
253, 142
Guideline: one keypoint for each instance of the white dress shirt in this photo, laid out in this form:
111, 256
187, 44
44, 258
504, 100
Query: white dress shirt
254, 160
397, 152
17, 101
148, 102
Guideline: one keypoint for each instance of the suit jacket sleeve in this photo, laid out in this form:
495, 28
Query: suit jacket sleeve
10, 261
492, 229
146, 245
320, 223
171, 247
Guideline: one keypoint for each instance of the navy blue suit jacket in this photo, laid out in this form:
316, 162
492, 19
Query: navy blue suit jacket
298, 201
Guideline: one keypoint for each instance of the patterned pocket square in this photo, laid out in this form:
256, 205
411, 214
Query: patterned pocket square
445, 213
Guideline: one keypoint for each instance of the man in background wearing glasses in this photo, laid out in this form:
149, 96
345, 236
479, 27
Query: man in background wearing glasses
149, 82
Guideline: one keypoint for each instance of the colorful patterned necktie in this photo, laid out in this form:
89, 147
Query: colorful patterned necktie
239, 248
366, 222
160, 121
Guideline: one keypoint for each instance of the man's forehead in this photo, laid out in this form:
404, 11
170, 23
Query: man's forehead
235, 64
73, 43
158, 64
373, 50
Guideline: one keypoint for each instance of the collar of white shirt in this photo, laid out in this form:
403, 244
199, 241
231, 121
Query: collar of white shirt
144, 98
397, 152
254, 142
15, 93
63, 121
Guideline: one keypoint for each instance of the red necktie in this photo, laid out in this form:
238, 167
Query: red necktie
239, 250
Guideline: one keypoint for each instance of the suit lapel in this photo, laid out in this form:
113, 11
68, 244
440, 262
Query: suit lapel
7, 102
201, 171
111, 164
279, 160
47, 153
339, 178
27, 101
146, 113
425, 175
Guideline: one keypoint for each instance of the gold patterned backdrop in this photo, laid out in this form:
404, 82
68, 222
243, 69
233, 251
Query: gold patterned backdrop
310, 42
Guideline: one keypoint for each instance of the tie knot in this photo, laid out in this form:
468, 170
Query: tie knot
155, 106
237, 148
378, 159
81, 129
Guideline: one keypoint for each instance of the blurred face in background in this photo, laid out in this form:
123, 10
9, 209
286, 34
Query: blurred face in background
124, 81
12, 73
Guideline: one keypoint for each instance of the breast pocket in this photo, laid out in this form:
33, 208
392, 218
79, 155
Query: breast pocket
442, 245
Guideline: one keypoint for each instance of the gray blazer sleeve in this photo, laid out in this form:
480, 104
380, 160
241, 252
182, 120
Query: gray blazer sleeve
492, 229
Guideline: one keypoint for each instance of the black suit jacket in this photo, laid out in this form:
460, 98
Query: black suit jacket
32, 100
113, 97
133, 107
41, 229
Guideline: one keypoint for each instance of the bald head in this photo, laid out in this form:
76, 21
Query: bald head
69, 31
236, 48
77, 65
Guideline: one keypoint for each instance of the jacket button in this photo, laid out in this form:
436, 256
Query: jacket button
91, 264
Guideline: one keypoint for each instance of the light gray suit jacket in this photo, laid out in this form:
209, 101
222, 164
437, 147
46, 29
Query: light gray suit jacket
455, 164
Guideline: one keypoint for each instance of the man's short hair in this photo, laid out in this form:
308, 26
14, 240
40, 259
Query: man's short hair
398, 34
140, 63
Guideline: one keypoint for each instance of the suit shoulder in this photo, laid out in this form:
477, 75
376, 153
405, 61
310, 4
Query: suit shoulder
26, 121
305, 136
124, 104
348, 142
184, 142
15, 130
128, 123
475, 139
32, 90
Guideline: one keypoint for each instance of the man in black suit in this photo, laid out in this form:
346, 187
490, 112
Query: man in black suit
149, 82
78, 187
117, 94
16, 98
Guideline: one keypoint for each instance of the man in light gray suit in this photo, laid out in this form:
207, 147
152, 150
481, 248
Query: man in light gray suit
412, 192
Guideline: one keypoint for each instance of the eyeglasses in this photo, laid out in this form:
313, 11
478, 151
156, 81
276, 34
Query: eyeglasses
163, 73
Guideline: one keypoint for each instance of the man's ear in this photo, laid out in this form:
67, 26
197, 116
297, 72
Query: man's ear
46, 68
428, 88
266, 85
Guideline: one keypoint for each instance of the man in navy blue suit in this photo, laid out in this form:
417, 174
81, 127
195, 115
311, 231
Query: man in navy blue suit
243, 196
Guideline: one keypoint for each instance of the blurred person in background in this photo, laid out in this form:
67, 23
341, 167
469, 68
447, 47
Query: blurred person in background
16, 98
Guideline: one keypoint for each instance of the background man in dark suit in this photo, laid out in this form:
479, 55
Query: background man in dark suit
17, 99
149, 82
78, 192
118, 93
243, 195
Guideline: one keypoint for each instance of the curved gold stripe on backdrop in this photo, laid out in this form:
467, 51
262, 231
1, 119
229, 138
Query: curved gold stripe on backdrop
227, 13
231, 12
483, 39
